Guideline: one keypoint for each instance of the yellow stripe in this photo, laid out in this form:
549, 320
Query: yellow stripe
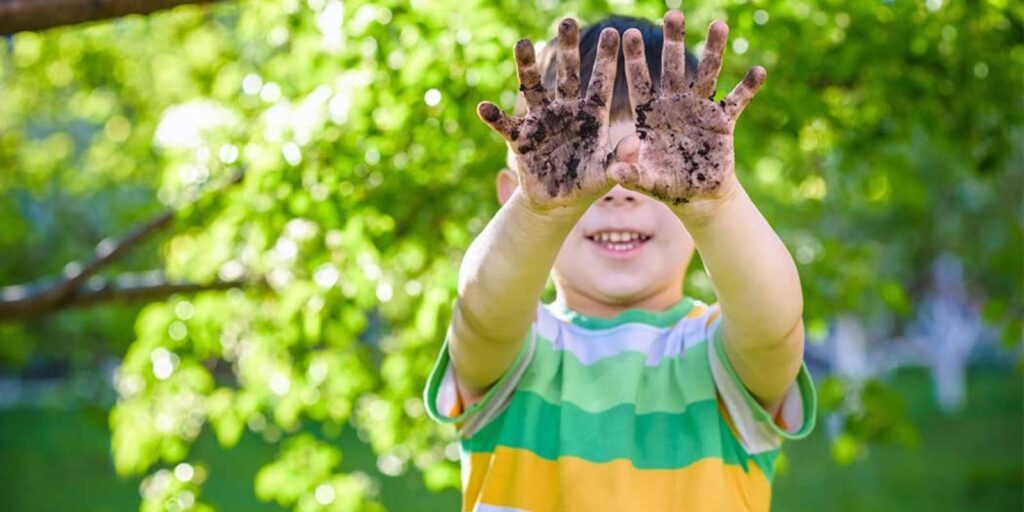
517, 478
477, 470
697, 310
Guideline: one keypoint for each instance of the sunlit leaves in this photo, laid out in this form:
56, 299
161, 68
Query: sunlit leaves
174, 489
887, 132
304, 477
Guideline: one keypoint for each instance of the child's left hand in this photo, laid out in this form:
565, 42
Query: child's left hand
683, 147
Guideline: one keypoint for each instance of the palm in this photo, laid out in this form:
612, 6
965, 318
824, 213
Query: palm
561, 151
691, 137
561, 144
685, 138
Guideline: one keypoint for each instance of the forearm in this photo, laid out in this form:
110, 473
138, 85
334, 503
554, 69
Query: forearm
754, 276
758, 289
500, 281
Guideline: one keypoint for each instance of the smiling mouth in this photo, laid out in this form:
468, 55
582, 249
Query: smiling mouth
619, 242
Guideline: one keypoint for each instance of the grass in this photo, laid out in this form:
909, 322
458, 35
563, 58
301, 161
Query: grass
969, 461
59, 461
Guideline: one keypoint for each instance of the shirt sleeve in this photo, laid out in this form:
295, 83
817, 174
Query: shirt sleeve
757, 429
444, 404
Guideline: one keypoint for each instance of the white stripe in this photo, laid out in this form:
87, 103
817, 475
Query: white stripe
503, 396
483, 507
590, 345
448, 395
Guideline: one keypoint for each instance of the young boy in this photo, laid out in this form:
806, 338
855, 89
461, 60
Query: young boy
623, 395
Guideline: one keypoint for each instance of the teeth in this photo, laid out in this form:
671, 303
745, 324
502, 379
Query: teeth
618, 236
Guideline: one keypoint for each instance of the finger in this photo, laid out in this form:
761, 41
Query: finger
507, 127
673, 54
568, 59
638, 78
529, 75
602, 80
625, 174
711, 61
744, 91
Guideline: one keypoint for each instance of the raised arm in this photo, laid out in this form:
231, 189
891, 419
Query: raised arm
758, 289
561, 147
683, 155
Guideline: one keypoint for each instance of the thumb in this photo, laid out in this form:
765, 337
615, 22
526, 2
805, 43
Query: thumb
625, 174
628, 149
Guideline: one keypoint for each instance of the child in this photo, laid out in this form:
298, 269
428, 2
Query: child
623, 395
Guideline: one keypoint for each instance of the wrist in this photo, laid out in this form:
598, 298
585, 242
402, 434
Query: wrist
700, 211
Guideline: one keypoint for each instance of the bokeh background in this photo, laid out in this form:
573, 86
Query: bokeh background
230, 233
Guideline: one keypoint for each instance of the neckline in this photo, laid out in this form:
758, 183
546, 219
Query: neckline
664, 318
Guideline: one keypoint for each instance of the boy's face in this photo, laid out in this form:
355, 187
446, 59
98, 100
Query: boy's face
627, 246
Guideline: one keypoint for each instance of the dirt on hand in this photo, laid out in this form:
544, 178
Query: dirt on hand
561, 144
686, 138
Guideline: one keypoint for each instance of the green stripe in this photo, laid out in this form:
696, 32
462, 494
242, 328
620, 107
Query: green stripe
649, 441
664, 318
433, 387
670, 386
804, 385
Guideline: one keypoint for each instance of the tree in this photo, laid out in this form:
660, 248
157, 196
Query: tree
886, 134
18, 15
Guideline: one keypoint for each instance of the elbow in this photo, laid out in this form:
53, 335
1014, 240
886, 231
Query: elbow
787, 332
786, 353
467, 325
794, 337
781, 329
789, 345
783, 338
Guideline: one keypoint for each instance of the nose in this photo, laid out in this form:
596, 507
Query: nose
621, 196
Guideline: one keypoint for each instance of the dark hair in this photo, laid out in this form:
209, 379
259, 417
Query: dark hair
652, 36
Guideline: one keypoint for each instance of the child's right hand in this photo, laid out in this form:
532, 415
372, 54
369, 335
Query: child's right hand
561, 144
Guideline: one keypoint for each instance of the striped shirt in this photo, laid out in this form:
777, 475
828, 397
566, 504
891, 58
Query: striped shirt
641, 412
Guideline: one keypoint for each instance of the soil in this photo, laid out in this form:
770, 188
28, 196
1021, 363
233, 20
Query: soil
676, 136
555, 142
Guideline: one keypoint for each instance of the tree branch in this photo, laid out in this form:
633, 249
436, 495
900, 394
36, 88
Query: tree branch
107, 252
46, 295
142, 286
19, 15
128, 287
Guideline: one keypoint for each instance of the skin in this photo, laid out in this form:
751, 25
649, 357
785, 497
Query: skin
561, 144
605, 286
679, 129
670, 175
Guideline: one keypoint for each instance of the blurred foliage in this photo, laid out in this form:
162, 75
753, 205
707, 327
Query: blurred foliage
888, 132
867, 412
